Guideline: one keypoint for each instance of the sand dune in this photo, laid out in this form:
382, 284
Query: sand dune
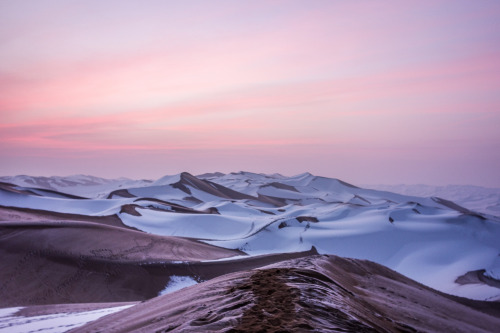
315, 293
64, 259
79, 262
74, 262
12, 214
8, 187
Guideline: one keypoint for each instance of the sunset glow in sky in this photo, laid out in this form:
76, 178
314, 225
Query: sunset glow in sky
365, 91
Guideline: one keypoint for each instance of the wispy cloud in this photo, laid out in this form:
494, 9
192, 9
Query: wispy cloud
342, 83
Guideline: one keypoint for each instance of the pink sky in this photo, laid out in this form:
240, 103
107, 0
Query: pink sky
365, 91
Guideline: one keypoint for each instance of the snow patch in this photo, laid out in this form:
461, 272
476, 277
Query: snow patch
52, 323
177, 283
7, 312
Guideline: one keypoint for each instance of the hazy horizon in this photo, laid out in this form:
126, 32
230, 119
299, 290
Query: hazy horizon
384, 92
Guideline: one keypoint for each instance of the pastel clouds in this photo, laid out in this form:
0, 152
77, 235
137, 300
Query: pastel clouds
346, 85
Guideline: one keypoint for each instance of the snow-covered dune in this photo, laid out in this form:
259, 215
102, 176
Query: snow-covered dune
80, 185
430, 239
477, 198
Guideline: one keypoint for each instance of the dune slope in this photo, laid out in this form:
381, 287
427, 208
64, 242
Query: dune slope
73, 262
315, 293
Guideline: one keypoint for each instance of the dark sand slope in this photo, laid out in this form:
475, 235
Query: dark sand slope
13, 214
83, 262
70, 262
311, 294
186, 179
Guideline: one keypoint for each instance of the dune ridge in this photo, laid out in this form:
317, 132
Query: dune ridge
264, 252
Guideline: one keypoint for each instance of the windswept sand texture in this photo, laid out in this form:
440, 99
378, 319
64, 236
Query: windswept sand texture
311, 294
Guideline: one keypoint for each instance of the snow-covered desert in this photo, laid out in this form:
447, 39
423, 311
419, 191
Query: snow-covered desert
242, 252
367, 132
